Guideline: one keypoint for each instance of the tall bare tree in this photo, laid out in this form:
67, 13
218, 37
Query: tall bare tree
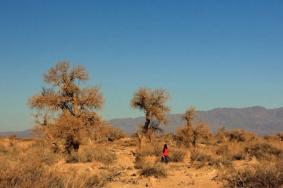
67, 110
153, 104
189, 116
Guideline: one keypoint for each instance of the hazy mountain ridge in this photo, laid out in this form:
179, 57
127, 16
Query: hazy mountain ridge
257, 119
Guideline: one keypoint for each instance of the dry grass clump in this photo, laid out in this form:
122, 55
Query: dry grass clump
151, 150
109, 133
263, 151
239, 135
3, 149
91, 153
177, 155
232, 151
27, 173
83, 179
156, 170
201, 158
266, 175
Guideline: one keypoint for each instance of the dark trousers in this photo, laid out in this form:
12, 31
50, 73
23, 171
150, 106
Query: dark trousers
164, 159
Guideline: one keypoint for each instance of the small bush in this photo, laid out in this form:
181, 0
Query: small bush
185, 136
240, 135
93, 181
3, 149
200, 159
263, 151
231, 151
112, 133
280, 136
262, 176
156, 170
90, 153
151, 150
177, 156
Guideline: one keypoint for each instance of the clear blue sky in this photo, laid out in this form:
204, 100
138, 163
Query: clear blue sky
205, 53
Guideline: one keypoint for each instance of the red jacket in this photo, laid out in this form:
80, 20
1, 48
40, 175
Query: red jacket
166, 152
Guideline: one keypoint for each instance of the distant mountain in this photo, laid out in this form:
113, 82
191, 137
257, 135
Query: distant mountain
256, 119
19, 134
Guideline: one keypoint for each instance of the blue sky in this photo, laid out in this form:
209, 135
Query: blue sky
205, 53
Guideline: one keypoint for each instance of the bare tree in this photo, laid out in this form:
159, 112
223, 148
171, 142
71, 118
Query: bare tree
153, 104
66, 110
189, 116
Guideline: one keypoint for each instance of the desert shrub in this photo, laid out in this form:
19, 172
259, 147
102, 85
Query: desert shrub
280, 136
263, 151
177, 155
190, 136
201, 158
3, 149
221, 135
262, 176
185, 136
111, 133
93, 181
151, 149
240, 135
90, 153
231, 151
202, 134
24, 174
139, 162
155, 170
86, 153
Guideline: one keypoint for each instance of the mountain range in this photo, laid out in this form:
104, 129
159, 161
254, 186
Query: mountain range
257, 119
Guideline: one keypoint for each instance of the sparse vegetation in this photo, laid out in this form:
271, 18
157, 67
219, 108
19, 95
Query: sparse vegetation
177, 155
90, 153
156, 170
266, 175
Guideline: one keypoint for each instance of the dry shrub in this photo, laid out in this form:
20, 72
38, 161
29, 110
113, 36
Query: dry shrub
240, 135
93, 181
28, 168
280, 136
201, 158
177, 155
90, 153
266, 175
83, 179
27, 173
264, 151
232, 151
151, 150
3, 149
139, 162
156, 170
202, 134
185, 136
111, 133
191, 136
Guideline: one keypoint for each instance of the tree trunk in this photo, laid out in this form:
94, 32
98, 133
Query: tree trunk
146, 125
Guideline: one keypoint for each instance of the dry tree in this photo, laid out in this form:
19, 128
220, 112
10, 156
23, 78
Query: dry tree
153, 104
189, 135
66, 111
189, 116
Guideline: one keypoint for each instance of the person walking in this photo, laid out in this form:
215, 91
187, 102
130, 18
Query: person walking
165, 154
